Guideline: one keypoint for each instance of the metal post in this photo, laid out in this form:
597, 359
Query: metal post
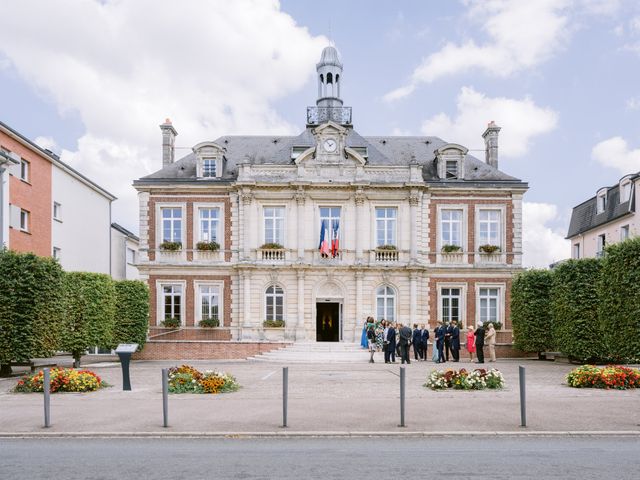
523, 399
402, 395
46, 388
285, 394
165, 397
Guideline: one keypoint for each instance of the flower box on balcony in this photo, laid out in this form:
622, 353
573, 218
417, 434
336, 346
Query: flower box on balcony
209, 323
171, 246
208, 246
171, 323
451, 248
392, 248
489, 249
273, 324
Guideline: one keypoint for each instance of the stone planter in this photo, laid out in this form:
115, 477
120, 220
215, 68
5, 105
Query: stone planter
272, 334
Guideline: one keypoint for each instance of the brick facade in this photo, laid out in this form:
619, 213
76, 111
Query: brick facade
203, 350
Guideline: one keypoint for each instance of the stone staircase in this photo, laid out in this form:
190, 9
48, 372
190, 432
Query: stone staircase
317, 352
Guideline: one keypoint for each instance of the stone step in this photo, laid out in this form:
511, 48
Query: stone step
320, 352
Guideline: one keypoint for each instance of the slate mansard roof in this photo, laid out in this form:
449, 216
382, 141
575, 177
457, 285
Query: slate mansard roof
585, 218
381, 151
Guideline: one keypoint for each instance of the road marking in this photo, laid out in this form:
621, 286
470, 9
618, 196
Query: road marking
268, 375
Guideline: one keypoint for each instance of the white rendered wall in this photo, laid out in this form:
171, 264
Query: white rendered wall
121, 268
83, 232
4, 178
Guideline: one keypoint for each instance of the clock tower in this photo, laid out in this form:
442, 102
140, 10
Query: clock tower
329, 102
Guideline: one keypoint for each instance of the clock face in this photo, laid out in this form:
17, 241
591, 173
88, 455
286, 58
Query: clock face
330, 145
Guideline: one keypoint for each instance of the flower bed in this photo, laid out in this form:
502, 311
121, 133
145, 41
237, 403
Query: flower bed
62, 380
462, 379
186, 379
611, 376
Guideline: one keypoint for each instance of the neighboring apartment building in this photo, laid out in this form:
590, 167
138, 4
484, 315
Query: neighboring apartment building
322, 229
608, 217
124, 253
51, 209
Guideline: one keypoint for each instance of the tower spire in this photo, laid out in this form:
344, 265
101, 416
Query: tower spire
329, 78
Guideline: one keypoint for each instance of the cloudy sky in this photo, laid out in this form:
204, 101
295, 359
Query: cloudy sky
92, 80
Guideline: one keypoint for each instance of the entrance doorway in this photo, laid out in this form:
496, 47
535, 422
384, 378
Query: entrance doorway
328, 322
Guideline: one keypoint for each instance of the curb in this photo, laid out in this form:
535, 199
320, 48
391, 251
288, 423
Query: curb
312, 434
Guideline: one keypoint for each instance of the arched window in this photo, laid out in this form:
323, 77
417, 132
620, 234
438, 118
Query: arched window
329, 77
386, 303
274, 303
321, 78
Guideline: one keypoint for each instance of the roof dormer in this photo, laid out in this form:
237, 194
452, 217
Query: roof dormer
209, 160
450, 161
601, 200
625, 188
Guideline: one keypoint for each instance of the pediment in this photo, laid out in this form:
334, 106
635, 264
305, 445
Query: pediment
328, 128
208, 149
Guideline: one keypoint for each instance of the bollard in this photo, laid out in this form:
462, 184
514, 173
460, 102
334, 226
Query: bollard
523, 399
285, 394
165, 397
402, 396
46, 388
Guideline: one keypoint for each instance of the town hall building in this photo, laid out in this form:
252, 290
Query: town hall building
301, 238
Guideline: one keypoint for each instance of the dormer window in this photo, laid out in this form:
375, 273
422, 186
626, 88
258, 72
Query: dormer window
209, 167
625, 189
451, 169
209, 158
362, 151
297, 151
450, 160
601, 201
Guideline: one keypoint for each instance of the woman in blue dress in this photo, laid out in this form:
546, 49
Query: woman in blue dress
364, 343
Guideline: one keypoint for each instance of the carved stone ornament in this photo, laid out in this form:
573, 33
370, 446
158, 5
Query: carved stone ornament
414, 199
385, 276
247, 197
359, 197
300, 196
273, 275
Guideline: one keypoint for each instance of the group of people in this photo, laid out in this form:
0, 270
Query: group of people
396, 340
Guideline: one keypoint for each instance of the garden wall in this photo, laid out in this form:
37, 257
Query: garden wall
203, 350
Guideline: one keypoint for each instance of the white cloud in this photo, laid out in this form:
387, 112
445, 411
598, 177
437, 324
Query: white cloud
213, 67
633, 103
542, 244
522, 121
615, 153
520, 35
48, 143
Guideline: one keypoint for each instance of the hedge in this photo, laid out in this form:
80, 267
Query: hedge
132, 312
531, 311
30, 307
619, 294
576, 328
89, 313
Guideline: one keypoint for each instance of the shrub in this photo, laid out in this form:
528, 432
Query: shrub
208, 246
30, 307
89, 313
132, 312
489, 248
172, 322
186, 379
574, 303
387, 247
531, 311
171, 246
612, 376
271, 246
451, 248
209, 323
619, 300
477, 379
62, 380
273, 323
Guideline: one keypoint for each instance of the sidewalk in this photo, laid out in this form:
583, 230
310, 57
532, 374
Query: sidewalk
330, 399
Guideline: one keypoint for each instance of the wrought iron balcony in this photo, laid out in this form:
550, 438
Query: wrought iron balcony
318, 115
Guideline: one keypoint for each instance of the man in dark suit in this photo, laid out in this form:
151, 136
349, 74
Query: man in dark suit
417, 342
390, 344
455, 340
424, 342
440, 333
479, 333
447, 340
405, 341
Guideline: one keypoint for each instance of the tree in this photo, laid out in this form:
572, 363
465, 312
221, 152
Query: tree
30, 307
89, 313
132, 312
531, 311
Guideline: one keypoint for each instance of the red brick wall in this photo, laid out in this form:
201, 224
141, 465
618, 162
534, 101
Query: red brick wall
161, 333
170, 197
189, 350
190, 296
35, 197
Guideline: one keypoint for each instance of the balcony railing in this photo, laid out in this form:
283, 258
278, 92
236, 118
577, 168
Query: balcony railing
452, 257
318, 115
272, 254
386, 256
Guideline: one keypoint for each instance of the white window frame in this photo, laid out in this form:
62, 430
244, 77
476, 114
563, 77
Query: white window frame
160, 299
274, 295
447, 162
133, 251
25, 220
197, 313
625, 187
450, 296
319, 222
441, 229
216, 167
500, 310
25, 170
623, 235
159, 224
283, 229
390, 226
601, 242
463, 300
195, 225
503, 230
56, 253
601, 201
575, 253
386, 296
57, 211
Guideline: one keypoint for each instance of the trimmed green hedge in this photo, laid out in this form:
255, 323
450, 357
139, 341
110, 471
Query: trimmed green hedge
576, 329
619, 295
531, 311
30, 307
89, 313
132, 312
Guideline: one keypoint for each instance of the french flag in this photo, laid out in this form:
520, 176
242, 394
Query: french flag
335, 238
324, 239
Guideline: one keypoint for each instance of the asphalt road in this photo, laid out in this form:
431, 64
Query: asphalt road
322, 458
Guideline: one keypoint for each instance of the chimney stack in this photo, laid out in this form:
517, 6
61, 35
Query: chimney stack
168, 141
490, 136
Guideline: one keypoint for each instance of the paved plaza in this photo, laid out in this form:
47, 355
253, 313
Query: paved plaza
339, 398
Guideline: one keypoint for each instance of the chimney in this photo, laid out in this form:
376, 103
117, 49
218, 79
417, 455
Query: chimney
168, 140
490, 136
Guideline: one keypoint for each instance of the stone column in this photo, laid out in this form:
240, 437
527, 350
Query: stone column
246, 294
300, 198
360, 233
300, 330
359, 314
414, 199
413, 302
248, 223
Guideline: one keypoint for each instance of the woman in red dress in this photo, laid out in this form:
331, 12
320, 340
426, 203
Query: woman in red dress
471, 343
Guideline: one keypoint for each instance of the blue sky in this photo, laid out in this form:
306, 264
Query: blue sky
93, 80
